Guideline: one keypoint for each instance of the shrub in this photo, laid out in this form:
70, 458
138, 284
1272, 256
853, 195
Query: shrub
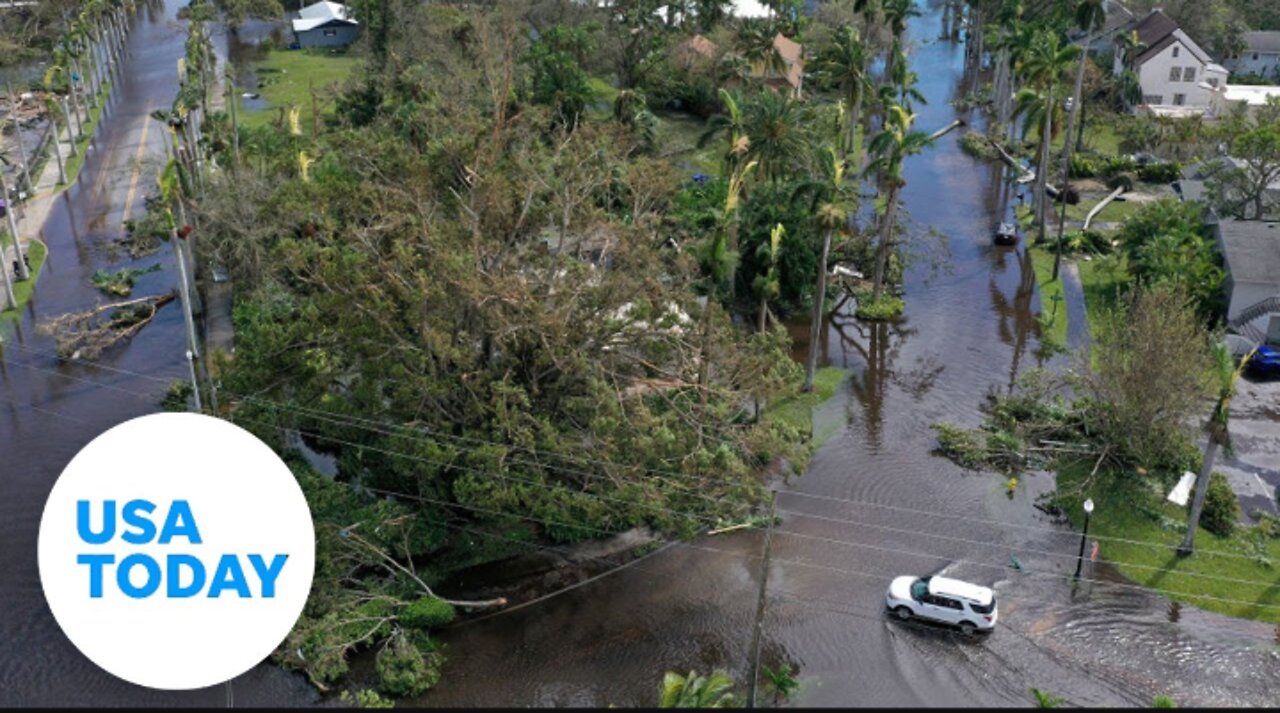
876, 310
1221, 509
977, 145
1164, 172
1091, 241
428, 613
1118, 164
1083, 166
962, 446
403, 671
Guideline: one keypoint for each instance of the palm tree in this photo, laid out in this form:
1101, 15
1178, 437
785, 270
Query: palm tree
895, 142
694, 691
896, 15
755, 44
1090, 16
769, 284
830, 208
775, 129
710, 12
1044, 67
730, 123
846, 64
1226, 375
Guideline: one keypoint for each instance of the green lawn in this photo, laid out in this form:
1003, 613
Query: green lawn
797, 410
73, 163
1115, 212
287, 78
1099, 137
36, 252
1102, 279
1053, 321
1135, 512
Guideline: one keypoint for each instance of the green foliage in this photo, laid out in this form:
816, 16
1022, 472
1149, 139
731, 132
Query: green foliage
366, 698
781, 681
887, 307
977, 145
1087, 241
963, 446
428, 613
119, 283
1045, 699
1221, 510
1160, 172
1083, 166
558, 79
403, 670
695, 691
1163, 702
176, 396
1164, 242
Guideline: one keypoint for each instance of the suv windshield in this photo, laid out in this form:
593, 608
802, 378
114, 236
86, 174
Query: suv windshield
919, 589
980, 609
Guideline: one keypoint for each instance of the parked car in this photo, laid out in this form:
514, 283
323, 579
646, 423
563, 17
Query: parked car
1265, 363
944, 600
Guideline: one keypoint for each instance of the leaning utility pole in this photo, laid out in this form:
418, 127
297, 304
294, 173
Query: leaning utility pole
758, 629
17, 135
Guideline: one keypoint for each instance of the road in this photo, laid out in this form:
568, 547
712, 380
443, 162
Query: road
49, 409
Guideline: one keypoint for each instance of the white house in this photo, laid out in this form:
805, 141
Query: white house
324, 24
1260, 56
1176, 75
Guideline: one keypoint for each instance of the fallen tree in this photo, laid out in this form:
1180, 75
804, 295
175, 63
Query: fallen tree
88, 333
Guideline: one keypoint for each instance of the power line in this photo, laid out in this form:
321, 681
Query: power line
355, 422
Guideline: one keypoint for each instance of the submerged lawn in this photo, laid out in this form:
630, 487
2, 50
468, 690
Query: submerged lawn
1053, 322
287, 78
798, 410
1138, 513
36, 252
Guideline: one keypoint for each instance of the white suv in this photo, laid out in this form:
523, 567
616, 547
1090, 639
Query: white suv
950, 601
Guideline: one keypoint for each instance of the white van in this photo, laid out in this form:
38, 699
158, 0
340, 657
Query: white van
945, 600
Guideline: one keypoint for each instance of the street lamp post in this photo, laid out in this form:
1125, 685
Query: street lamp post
1088, 510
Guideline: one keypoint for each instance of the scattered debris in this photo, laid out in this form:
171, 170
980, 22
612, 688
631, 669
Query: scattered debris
120, 283
88, 333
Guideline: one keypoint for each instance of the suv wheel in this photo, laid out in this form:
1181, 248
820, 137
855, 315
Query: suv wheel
904, 613
967, 628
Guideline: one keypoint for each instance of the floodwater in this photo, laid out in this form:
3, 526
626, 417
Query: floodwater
874, 504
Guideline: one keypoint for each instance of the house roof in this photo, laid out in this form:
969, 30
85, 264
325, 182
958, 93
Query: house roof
1159, 46
321, 13
1249, 94
1251, 249
791, 53
701, 46
1266, 41
1154, 28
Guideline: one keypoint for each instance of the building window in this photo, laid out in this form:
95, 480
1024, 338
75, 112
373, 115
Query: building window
1255, 56
1175, 74
1213, 81
330, 33
1152, 99
1175, 51
1189, 74
1179, 99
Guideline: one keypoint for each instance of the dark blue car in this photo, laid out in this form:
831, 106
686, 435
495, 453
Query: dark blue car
1265, 363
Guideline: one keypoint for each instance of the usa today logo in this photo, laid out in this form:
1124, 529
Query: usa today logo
176, 551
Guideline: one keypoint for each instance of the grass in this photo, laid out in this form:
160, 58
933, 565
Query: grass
1125, 509
36, 252
1117, 211
797, 410
1099, 137
73, 163
1101, 279
287, 77
678, 136
1053, 322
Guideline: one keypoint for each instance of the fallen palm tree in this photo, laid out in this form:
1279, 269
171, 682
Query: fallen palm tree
88, 333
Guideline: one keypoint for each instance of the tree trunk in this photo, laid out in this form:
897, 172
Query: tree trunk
815, 324
22, 270
886, 238
1042, 171
1197, 504
764, 312
1066, 149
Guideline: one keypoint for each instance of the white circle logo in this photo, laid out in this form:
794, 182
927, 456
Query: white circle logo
176, 551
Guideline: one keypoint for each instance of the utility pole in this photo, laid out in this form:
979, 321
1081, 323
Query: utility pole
758, 629
195, 386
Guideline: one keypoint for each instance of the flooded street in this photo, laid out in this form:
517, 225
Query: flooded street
874, 504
